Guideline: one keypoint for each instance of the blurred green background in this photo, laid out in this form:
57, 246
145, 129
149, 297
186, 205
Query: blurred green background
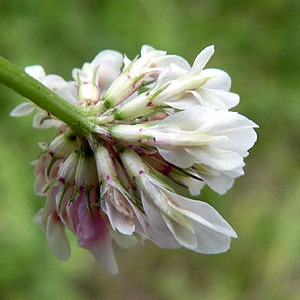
258, 43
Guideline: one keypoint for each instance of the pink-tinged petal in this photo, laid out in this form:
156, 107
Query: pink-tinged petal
22, 110
69, 211
93, 234
41, 219
40, 184
103, 252
57, 238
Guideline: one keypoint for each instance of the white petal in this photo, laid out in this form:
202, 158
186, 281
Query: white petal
202, 213
22, 110
219, 79
202, 58
175, 64
228, 98
117, 219
158, 232
183, 103
108, 64
169, 73
194, 185
57, 238
36, 72
41, 120
210, 241
186, 120
111, 57
220, 184
146, 48
226, 122
207, 98
183, 235
239, 140
177, 156
219, 159
126, 62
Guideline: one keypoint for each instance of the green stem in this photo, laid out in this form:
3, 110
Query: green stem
16, 79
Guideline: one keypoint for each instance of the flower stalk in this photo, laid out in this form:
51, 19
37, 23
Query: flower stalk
16, 79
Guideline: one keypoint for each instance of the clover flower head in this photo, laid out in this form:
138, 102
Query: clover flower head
160, 127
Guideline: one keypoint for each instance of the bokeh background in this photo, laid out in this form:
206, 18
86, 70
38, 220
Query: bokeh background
257, 43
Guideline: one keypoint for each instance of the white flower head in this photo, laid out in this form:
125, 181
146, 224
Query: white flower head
161, 129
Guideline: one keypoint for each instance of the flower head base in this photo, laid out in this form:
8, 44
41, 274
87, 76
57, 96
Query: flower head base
160, 124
